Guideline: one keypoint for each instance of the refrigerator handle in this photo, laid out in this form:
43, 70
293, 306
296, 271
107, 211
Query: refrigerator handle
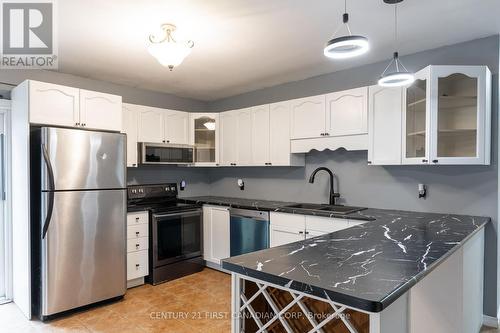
50, 193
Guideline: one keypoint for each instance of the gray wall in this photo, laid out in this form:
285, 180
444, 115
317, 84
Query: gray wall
454, 189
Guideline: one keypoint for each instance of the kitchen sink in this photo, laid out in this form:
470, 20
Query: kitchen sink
334, 209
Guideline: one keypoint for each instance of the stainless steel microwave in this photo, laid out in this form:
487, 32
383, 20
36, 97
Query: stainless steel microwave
166, 153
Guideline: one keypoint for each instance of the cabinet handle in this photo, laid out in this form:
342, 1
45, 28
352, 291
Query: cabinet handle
168, 141
76, 124
137, 233
369, 162
307, 232
163, 141
322, 134
137, 246
327, 134
435, 161
136, 219
137, 266
425, 161
301, 232
133, 164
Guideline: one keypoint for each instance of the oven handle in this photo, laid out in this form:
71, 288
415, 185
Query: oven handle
183, 213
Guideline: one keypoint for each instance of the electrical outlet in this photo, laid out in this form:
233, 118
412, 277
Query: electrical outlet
241, 184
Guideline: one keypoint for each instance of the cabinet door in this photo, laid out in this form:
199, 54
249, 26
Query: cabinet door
347, 112
204, 132
260, 135
384, 130
100, 111
416, 120
52, 104
176, 127
280, 133
151, 125
459, 104
280, 235
216, 233
228, 144
308, 117
130, 124
244, 137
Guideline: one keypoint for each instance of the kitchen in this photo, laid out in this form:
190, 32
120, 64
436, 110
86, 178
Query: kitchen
232, 197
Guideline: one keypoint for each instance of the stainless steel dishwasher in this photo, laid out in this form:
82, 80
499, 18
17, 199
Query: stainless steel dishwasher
249, 230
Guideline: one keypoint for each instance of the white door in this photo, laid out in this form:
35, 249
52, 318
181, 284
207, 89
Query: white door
347, 112
260, 135
130, 123
385, 114
416, 120
4, 228
100, 111
308, 117
280, 133
176, 127
216, 233
244, 137
460, 112
280, 235
228, 144
52, 104
151, 125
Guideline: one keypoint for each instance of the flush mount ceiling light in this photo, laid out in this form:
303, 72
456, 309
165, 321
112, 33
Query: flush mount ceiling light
401, 76
166, 49
348, 46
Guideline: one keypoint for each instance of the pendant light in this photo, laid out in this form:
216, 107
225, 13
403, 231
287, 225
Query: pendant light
166, 49
348, 46
401, 76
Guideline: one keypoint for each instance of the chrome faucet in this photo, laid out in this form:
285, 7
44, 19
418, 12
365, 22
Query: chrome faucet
333, 194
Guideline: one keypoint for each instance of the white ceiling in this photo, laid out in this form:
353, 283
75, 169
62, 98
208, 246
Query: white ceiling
244, 45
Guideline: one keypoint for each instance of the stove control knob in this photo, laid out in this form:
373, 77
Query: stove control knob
141, 190
134, 191
172, 188
167, 189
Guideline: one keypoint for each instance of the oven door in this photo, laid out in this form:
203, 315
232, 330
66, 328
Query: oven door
158, 153
176, 236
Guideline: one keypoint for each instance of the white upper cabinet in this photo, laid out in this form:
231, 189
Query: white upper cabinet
308, 117
56, 105
151, 125
260, 135
461, 115
52, 104
385, 114
176, 127
229, 131
204, 135
279, 140
347, 112
244, 137
100, 110
130, 126
447, 119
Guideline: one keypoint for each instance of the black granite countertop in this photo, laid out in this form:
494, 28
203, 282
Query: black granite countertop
367, 266
269, 205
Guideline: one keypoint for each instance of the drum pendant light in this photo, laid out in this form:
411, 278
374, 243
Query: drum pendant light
348, 46
401, 76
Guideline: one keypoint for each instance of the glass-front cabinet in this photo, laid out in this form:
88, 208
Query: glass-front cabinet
447, 116
205, 138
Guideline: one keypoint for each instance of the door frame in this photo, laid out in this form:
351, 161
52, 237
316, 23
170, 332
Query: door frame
5, 110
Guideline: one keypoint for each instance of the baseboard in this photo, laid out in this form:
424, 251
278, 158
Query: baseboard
490, 321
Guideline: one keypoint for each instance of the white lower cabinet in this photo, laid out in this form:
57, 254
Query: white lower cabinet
288, 228
216, 237
137, 248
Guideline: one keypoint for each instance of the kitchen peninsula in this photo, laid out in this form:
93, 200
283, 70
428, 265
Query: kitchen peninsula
400, 272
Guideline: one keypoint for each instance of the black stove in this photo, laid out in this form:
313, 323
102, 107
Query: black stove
175, 231
155, 198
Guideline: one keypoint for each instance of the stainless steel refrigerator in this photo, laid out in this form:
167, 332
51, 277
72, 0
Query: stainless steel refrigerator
79, 211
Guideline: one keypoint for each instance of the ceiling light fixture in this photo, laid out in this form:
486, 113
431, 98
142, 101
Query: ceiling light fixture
401, 76
166, 49
348, 46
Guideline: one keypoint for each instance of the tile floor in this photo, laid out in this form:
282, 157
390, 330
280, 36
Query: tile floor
197, 303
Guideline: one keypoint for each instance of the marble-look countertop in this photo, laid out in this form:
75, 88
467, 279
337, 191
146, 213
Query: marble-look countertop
367, 266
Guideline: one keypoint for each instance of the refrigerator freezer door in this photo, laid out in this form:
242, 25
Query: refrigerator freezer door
83, 160
84, 251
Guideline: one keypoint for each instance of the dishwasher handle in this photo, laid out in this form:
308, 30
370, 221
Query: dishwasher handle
256, 215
